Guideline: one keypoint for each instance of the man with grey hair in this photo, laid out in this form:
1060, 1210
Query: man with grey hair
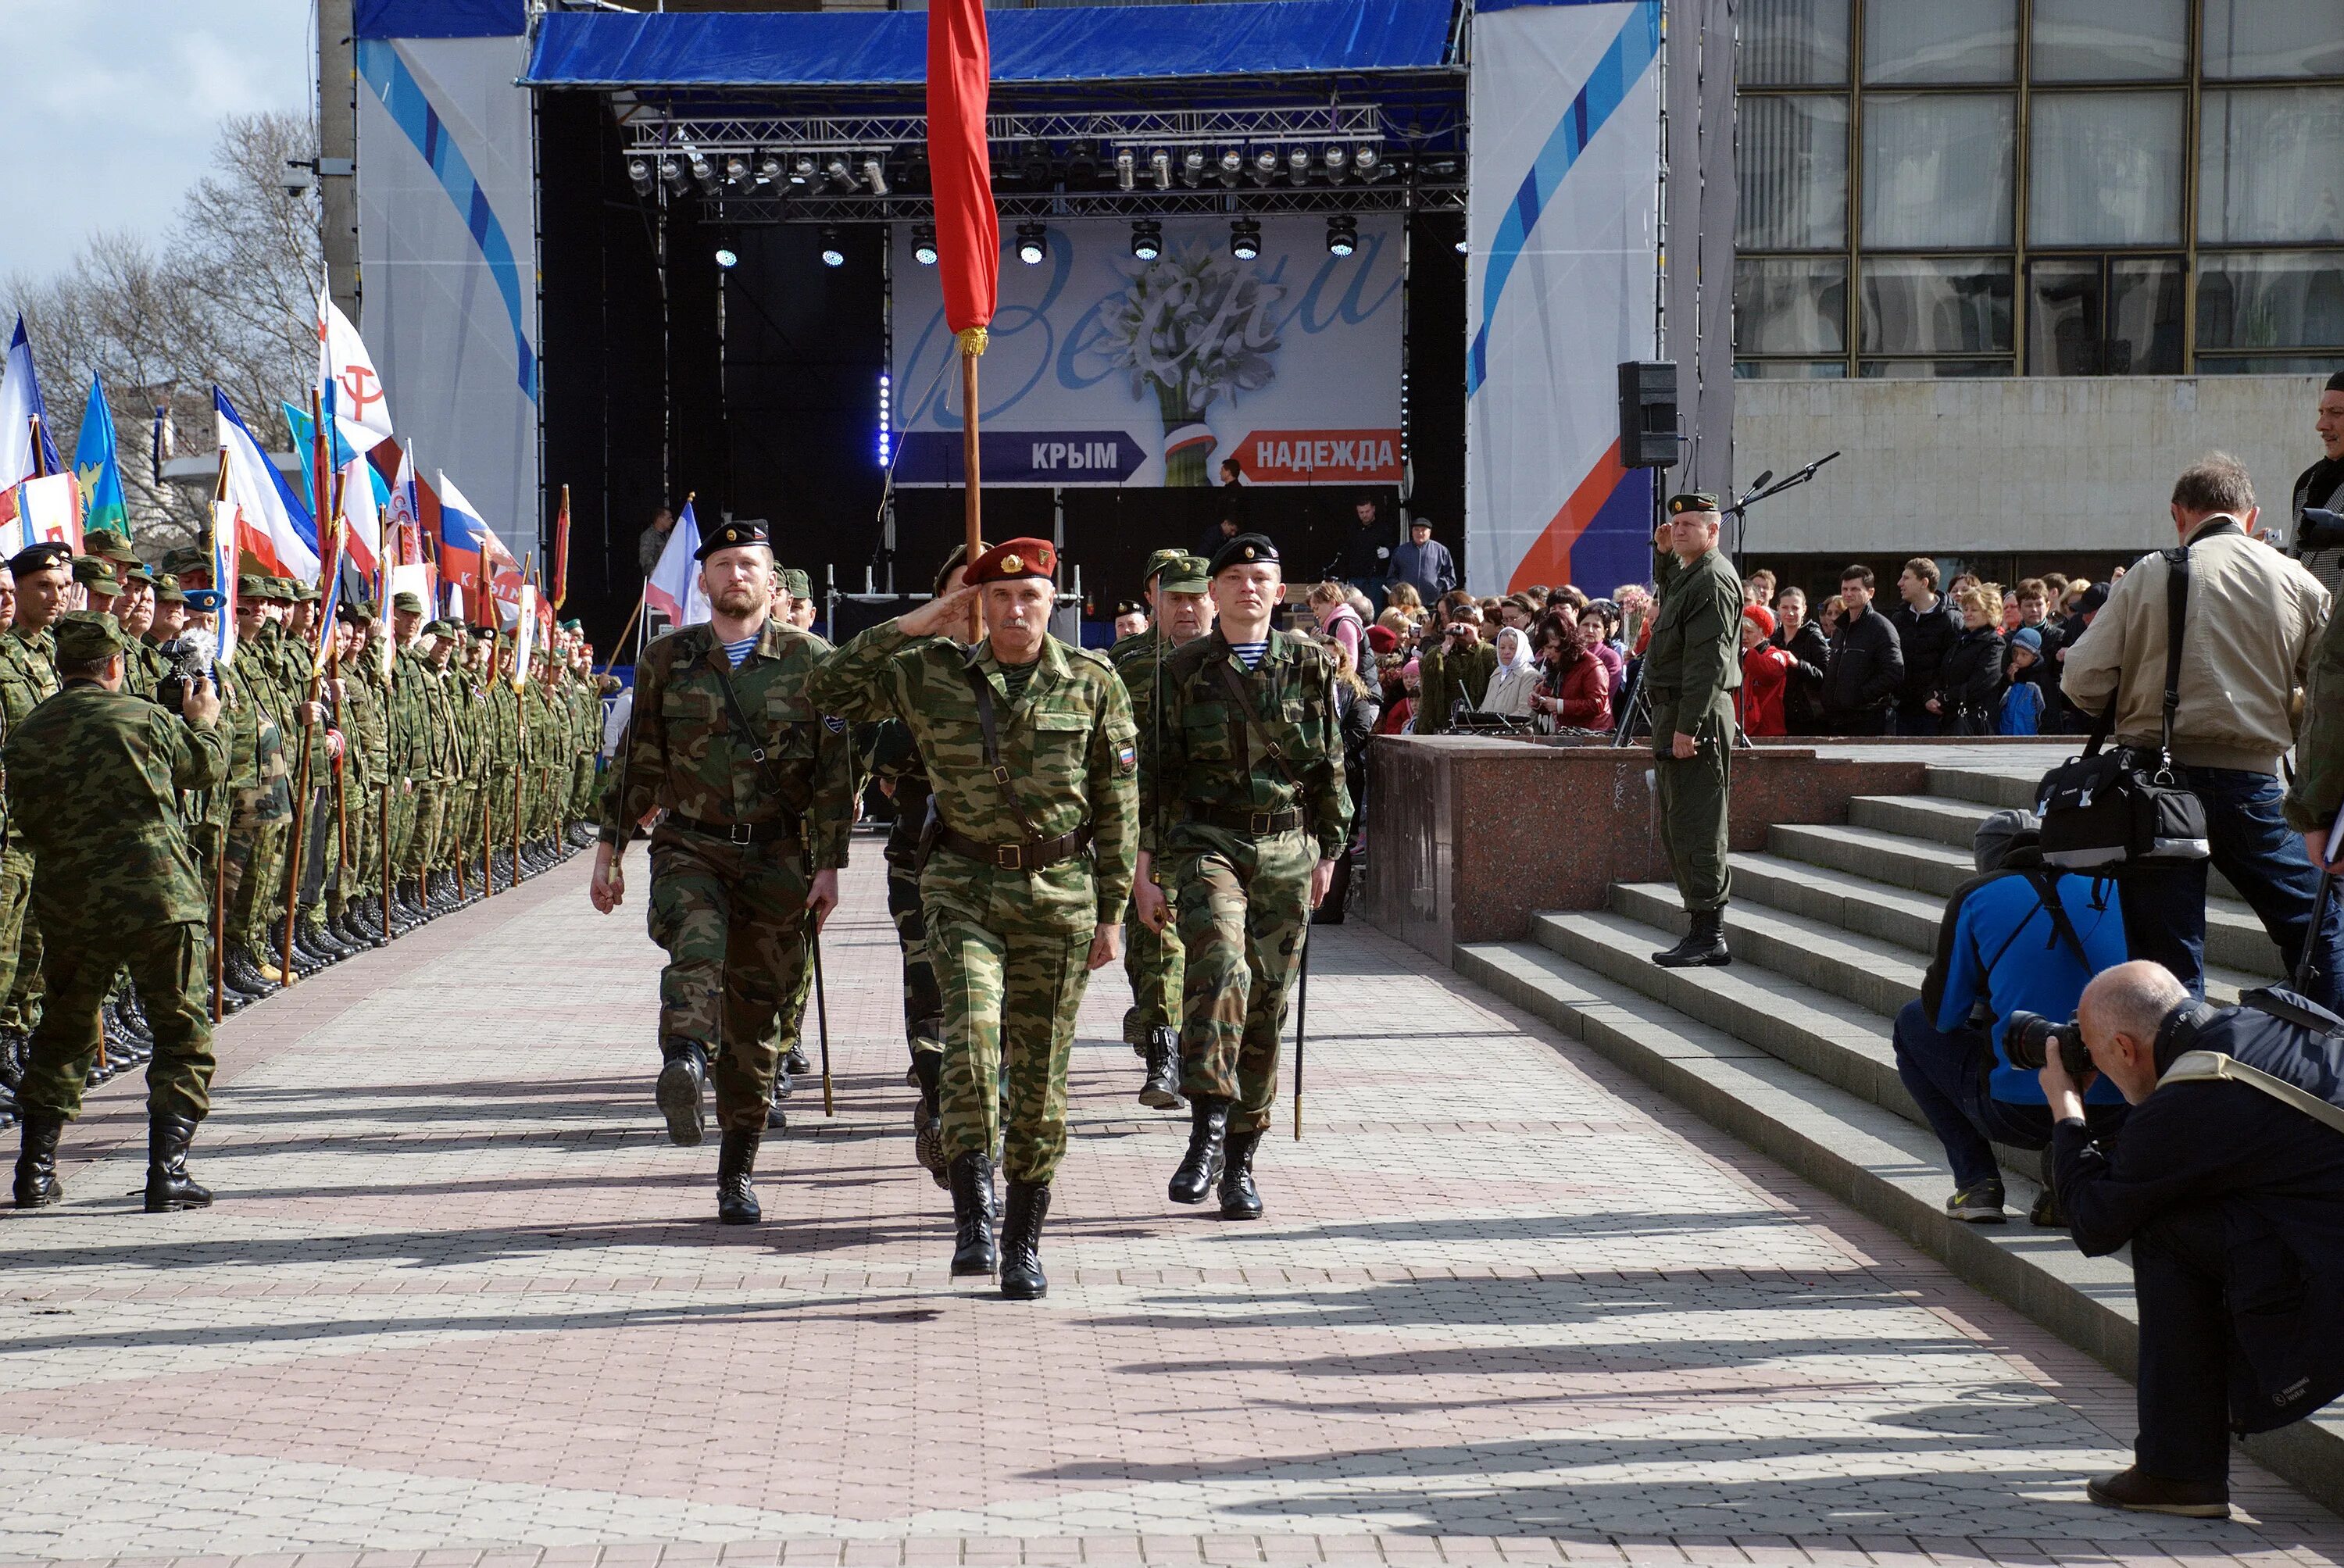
2228, 1182
2253, 617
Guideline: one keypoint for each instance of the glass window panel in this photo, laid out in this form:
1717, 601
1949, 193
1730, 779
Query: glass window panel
1918, 305
1936, 170
2271, 164
2143, 331
2063, 312
2271, 300
1790, 369
1941, 41
2109, 40
2273, 38
2106, 168
1793, 173
1792, 43
1790, 306
2266, 365
1924, 369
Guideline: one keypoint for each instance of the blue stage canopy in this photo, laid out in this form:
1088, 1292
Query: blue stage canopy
1057, 44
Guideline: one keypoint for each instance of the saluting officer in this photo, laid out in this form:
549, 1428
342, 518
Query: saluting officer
1244, 795
727, 735
1691, 671
1029, 749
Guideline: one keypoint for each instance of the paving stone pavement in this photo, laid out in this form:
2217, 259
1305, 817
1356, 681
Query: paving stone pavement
461, 1302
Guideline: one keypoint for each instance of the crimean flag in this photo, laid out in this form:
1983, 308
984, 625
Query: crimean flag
968, 227
97, 469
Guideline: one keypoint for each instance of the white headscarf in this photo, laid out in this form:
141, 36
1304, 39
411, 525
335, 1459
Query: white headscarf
1520, 656
1511, 683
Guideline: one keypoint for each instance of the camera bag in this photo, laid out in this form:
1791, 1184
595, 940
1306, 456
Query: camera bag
2102, 811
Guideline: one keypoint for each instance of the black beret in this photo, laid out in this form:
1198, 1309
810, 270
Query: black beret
42, 557
1242, 551
731, 536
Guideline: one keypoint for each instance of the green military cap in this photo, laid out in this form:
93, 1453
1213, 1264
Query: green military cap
186, 560
573, 624
253, 587
1693, 500
304, 592
440, 629
407, 600
85, 636
798, 583
139, 573
1158, 562
107, 543
96, 572
1188, 575
167, 590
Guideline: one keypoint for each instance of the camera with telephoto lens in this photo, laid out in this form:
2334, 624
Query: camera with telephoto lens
191, 661
2029, 1039
2319, 530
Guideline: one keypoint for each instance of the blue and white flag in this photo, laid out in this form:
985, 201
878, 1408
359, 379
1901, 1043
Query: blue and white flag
20, 408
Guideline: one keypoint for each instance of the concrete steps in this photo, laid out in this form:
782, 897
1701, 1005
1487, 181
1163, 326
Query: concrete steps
1788, 1049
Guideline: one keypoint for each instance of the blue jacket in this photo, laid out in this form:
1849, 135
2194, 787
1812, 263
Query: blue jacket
1427, 566
2003, 951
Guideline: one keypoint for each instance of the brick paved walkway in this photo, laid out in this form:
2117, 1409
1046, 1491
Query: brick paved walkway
461, 1302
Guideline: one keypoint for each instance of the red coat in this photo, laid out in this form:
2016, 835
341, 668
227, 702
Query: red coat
1585, 687
1759, 703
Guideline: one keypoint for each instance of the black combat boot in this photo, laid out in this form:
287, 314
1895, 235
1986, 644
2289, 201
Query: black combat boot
1162, 1089
408, 896
927, 1116
1021, 1241
736, 1162
237, 969
1703, 947
169, 1186
683, 1090
972, 1192
37, 1162
795, 1060
1239, 1198
776, 1119
1209, 1125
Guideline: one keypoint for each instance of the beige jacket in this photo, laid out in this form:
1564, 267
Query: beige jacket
2253, 620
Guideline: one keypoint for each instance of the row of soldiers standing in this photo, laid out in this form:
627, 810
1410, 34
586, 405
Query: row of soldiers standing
418, 743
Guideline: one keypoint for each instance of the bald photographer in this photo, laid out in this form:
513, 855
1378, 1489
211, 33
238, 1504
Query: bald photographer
2227, 1180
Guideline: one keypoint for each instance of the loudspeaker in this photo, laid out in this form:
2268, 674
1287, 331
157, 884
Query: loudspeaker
1648, 415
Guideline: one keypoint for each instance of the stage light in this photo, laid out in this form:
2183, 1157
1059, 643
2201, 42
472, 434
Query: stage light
1192, 166
1125, 173
1033, 243
1338, 159
727, 258
1159, 163
1146, 239
1298, 164
924, 244
769, 172
1245, 239
1232, 165
875, 173
639, 174
1369, 161
1265, 165
802, 173
831, 256
1037, 165
1342, 234
672, 171
1464, 247
1082, 162
706, 173
840, 173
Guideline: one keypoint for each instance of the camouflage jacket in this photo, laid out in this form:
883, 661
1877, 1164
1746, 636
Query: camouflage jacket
683, 750
1066, 742
94, 783
26, 679
1210, 757
501, 731
364, 725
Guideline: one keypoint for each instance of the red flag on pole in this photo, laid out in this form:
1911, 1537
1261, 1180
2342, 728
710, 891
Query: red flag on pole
968, 230
561, 551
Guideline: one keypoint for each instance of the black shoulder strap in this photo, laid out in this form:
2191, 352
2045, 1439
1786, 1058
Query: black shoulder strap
1270, 748
2177, 613
748, 737
2046, 891
990, 730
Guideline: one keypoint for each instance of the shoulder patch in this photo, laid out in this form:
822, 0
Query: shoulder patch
836, 726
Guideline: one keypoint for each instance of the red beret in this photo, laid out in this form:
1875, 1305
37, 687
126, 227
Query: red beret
1760, 614
1013, 558
1382, 639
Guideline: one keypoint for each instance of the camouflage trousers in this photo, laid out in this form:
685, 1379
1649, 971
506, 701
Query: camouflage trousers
1012, 979
18, 936
924, 1007
421, 853
732, 920
496, 798
1154, 964
166, 963
1245, 904
251, 851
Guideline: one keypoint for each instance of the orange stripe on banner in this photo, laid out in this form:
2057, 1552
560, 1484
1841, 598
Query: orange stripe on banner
1547, 560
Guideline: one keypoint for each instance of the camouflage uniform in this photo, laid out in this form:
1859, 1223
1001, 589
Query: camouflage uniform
26, 678
1152, 961
1243, 840
731, 915
1009, 946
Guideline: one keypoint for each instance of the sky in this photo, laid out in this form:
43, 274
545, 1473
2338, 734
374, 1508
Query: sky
115, 105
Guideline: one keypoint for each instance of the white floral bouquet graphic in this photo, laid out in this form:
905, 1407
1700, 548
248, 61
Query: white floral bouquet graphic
1192, 326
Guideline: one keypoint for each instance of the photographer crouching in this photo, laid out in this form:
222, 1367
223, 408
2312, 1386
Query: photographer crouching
92, 781
2228, 1180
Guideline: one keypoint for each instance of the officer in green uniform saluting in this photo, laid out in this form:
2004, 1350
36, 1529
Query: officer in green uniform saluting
1691, 671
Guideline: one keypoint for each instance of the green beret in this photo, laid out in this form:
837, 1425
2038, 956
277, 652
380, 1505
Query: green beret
85, 636
1188, 575
112, 546
799, 584
407, 600
167, 590
96, 572
1693, 500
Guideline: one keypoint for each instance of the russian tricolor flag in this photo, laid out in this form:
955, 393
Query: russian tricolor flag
271, 524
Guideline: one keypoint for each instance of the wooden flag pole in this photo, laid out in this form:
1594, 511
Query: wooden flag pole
219, 851
308, 724
972, 347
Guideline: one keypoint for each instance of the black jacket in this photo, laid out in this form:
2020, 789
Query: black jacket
1866, 669
2275, 1173
1367, 551
1969, 684
1925, 639
1802, 689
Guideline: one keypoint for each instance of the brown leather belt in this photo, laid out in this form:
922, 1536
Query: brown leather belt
1031, 855
1252, 823
736, 832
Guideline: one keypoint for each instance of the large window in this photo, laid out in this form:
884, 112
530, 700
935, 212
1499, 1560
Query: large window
2057, 187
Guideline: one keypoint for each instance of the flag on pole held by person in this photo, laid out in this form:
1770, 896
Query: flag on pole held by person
968, 227
524, 636
330, 536
98, 467
26, 449
469, 549
561, 551
674, 583
45, 509
347, 387
361, 521
222, 551
271, 524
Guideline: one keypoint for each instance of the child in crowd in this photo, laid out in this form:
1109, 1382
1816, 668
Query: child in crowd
2022, 703
1764, 669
